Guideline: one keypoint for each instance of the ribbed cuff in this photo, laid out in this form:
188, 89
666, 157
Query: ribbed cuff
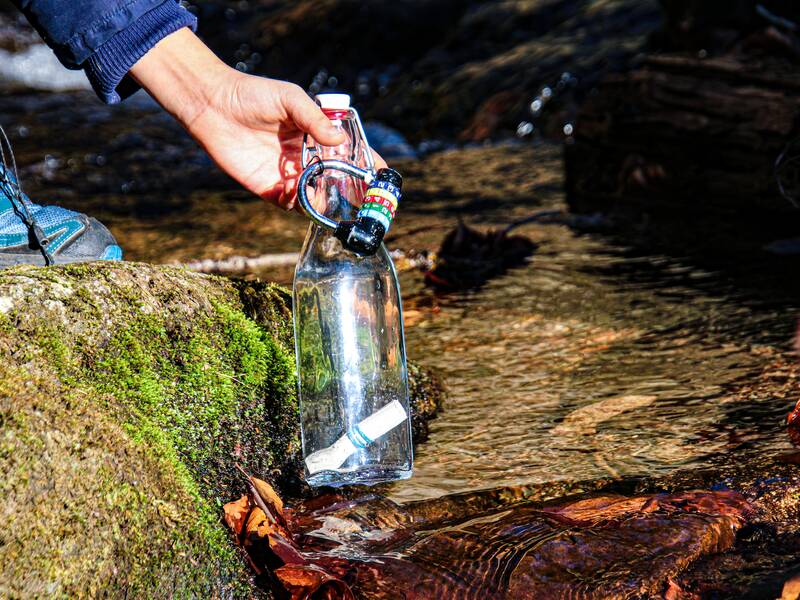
107, 69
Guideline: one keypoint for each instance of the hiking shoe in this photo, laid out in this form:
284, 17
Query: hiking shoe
42, 235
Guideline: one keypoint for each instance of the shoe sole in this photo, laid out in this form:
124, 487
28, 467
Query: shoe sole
111, 253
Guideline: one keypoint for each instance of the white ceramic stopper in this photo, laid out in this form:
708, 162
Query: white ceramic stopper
334, 101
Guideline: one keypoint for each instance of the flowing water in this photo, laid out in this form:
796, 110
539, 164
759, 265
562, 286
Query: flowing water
589, 362
592, 360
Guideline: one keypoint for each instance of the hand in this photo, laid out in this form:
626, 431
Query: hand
251, 126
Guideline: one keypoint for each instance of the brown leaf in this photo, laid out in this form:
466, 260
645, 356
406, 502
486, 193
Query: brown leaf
261, 533
598, 510
236, 514
269, 496
255, 528
307, 581
675, 592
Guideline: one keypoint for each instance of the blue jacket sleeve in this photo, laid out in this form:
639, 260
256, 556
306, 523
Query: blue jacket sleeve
105, 37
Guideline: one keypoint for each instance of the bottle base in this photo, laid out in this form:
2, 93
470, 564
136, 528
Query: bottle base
364, 476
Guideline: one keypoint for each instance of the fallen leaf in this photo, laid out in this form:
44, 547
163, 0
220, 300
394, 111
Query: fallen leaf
676, 592
791, 589
268, 495
255, 529
236, 514
307, 581
262, 534
601, 509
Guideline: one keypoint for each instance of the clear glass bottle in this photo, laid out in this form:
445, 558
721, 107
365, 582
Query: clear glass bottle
351, 358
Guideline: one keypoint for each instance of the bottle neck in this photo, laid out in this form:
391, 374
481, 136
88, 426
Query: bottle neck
339, 194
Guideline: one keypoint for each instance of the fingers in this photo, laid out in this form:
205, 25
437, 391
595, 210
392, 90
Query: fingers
379, 162
288, 195
309, 117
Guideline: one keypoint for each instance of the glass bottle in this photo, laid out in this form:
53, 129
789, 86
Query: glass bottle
351, 359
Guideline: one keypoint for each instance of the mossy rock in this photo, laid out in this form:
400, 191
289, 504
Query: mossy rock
128, 393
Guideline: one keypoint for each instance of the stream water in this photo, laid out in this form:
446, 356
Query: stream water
590, 362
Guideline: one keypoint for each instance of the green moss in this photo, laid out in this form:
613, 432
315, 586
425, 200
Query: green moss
128, 395
90, 515
160, 378
49, 341
178, 389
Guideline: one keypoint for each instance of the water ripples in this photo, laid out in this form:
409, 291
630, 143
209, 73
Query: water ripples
592, 361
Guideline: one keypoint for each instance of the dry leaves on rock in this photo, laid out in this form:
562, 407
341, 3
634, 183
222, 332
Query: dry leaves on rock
258, 521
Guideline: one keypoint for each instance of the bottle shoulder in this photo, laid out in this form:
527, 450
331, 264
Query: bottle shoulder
323, 256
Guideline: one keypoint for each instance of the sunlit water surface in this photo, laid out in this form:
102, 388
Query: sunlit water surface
590, 361
593, 362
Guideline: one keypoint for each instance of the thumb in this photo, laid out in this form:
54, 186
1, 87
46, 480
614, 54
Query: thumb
309, 117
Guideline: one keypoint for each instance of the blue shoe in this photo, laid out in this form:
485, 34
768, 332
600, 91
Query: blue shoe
45, 235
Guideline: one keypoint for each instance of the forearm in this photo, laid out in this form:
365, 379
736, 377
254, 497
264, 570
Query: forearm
105, 37
182, 74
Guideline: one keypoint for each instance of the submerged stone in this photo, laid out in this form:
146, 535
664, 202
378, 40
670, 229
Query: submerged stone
651, 538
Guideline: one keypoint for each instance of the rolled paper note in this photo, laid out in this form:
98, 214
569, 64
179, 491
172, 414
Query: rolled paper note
362, 435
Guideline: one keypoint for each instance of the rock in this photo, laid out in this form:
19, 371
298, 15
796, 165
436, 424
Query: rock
37, 68
706, 120
694, 25
428, 395
128, 393
715, 533
388, 142
684, 131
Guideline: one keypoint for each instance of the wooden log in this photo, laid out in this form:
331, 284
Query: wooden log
684, 131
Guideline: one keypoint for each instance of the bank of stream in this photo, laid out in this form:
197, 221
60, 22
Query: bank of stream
593, 361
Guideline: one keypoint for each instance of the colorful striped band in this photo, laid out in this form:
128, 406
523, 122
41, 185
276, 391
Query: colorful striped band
379, 193
380, 203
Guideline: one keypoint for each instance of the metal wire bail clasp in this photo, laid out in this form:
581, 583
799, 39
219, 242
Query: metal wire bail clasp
314, 170
313, 167
309, 153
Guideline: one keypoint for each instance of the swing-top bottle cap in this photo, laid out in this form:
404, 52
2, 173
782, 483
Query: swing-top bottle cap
334, 101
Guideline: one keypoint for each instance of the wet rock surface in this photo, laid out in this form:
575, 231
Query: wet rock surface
629, 539
704, 123
436, 68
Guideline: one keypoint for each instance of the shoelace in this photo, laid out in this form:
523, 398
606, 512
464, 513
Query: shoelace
17, 200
